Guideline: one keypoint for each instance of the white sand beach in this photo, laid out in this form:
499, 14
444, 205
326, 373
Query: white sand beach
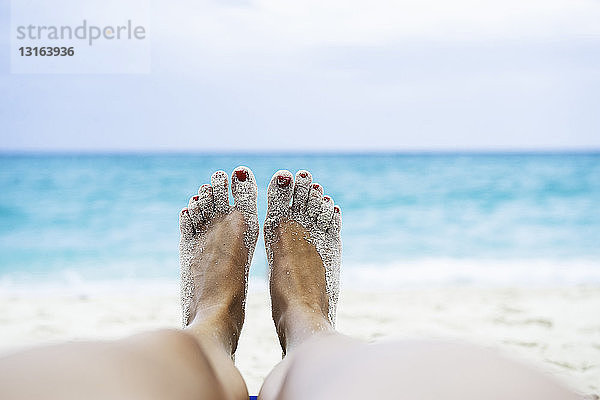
557, 329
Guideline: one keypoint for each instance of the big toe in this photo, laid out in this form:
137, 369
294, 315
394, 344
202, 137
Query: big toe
243, 189
279, 194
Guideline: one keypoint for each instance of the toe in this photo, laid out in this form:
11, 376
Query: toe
324, 218
195, 211
336, 220
243, 188
301, 190
315, 200
279, 194
205, 202
185, 224
220, 194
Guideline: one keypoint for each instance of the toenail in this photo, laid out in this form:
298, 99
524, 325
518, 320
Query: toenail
185, 210
336, 209
283, 181
326, 198
241, 175
196, 198
303, 174
316, 186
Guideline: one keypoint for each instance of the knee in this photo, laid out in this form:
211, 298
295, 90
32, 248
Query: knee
175, 340
182, 365
327, 363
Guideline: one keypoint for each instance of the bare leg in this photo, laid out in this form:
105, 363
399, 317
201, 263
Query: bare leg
156, 365
320, 363
193, 363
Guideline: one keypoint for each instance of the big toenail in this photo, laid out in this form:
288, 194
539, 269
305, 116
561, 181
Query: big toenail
303, 174
241, 175
283, 181
336, 209
196, 198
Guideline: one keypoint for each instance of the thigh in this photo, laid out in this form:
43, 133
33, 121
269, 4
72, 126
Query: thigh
158, 365
415, 370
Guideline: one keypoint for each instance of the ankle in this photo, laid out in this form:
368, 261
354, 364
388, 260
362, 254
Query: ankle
226, 306
217, 324
298, 324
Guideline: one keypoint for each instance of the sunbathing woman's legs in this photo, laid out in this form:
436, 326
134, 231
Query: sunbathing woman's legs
304, 250
323, 364
216, 246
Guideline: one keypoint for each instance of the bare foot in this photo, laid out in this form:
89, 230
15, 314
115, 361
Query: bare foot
302, 238
215, 251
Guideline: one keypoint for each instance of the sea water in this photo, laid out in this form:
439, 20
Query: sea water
408, 219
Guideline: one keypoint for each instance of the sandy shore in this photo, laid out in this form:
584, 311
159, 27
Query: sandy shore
557, 329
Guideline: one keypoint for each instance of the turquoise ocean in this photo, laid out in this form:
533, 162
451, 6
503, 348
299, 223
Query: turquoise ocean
408, 219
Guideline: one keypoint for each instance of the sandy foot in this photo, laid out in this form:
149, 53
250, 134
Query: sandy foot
216, 248
303, 242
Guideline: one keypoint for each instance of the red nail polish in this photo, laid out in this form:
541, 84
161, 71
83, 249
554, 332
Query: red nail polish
196, 198
303, 174
241, 175
326, 198
283, 181
336, 209
316, 186
184, 211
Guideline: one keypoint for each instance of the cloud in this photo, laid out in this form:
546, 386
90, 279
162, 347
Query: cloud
308, 75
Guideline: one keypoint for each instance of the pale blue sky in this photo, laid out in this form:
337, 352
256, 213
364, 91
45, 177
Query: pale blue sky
269, 75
